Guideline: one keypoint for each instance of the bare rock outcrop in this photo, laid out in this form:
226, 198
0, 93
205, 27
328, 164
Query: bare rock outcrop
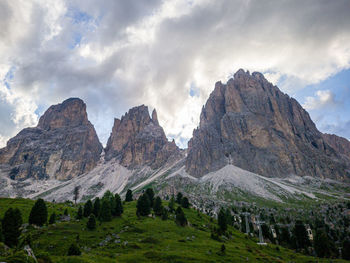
250, 123
340, 144
62, 146
138, 139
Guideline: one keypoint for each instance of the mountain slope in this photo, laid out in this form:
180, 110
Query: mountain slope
251, 124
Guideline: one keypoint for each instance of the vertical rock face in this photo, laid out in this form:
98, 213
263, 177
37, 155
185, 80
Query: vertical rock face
137, 139
62, 146
250, 123
340, 144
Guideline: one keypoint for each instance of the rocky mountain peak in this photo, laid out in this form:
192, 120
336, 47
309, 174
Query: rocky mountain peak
155, 117
62, 146
250, 123
71, 112
138, 139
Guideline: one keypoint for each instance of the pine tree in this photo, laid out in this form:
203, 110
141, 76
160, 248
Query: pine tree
284, 238
172, 204
164, 213
109, 197
321, 244
87, 208
80, 213
128, 197
74, 250
91, 224
300, 234
105, 213
346, 249
179, 198
180, 217
38, 214
222, 220
76, 193
150, 194
157, 208
52, 219
143, 205
65, 212
223, 249
97, 207
11, 224
185, 203
118, 205
1, 235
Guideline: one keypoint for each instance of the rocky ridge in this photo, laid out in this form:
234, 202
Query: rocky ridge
137, 139
63, 145
251, 124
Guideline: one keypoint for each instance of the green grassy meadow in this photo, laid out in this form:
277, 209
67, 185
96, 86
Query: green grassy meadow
146, 239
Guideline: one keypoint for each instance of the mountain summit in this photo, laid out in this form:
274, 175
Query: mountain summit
62, 146
250, 123
138, 139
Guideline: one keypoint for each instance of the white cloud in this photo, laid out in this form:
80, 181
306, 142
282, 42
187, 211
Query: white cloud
321, 99
116, 54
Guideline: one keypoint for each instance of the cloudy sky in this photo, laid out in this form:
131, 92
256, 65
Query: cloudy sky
116, 54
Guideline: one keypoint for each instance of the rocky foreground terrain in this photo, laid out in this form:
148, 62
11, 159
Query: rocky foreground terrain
252, 141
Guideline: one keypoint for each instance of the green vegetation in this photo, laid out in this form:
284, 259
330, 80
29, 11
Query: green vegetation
128, 196
38, 214
132, 238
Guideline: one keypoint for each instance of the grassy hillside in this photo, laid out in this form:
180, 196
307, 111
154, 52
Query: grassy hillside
130, 239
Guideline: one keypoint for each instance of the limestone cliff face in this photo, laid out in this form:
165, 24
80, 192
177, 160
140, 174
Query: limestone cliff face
138, 139
340, 144
250, 123
63, 145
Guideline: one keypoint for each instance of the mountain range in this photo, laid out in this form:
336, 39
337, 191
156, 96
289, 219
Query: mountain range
252, 139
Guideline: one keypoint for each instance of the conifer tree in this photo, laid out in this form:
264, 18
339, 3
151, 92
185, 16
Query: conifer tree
91, 224
157, 208
128, 197
74, 250
65, 212
143, 205
150, 194
172, 204
52, 219
38, 214
321, 244
76, 191
222, 220
223, 249
180, 217
105, 213
118, 205
80, 213
346, 249
164, 213
185, 203
87, 208
179, 198
1, 235
11, 224
300, 235
109, 197
97, 207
